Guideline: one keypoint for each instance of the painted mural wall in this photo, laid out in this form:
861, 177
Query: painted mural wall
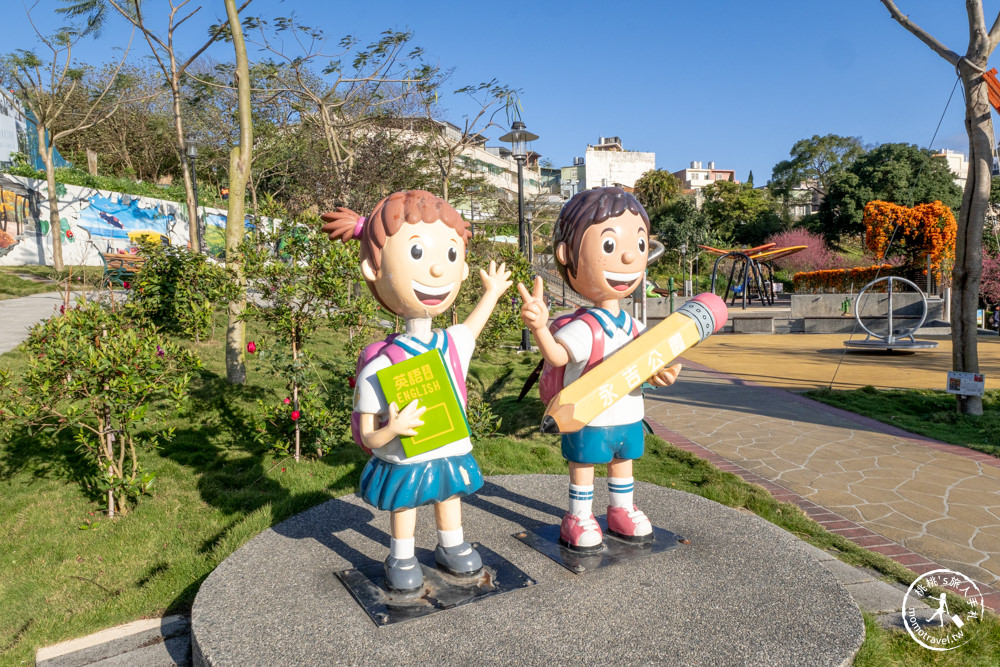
91, 222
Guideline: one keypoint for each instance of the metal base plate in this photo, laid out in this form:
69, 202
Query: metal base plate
440, 591
901, 345
614, 551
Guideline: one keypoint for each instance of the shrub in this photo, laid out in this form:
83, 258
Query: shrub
838, 280
816, 257
989, 288
303, 280
483, 422
178, 290
98, 371
319, 420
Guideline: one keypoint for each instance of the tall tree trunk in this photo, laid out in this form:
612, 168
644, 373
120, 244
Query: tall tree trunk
55, 227
239, 172
975, 199
192, 204
967, 272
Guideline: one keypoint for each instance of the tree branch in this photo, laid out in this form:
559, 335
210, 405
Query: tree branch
921, 34
211, 40
994, 36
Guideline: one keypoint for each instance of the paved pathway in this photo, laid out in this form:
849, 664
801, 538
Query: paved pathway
919, 501
19, 315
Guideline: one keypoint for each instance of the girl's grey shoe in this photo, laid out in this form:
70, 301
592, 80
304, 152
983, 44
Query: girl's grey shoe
403, 575
461, 560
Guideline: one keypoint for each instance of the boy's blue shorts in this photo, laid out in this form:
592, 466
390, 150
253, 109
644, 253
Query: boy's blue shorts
600, 444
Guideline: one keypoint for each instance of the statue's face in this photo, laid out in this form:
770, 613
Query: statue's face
612, 258
421, 269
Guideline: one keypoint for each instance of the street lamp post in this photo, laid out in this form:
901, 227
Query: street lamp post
529, 217
684, 273
519, 138
191, 146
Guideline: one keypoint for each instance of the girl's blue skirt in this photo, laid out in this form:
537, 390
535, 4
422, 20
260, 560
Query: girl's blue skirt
394, 486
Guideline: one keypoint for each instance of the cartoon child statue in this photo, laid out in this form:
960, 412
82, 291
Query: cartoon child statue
601, 243
413, 260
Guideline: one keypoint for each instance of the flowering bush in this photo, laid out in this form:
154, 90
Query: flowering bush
96, 370
303, 281
838, 280
816, 257
319, 420
918, 232
989, 288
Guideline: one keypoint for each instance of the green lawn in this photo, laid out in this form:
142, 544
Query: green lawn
67, 571
13, 285
924, 412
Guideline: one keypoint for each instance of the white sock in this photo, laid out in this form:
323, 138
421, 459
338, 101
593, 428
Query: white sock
401, 548
451, 538
620, 491
581, 500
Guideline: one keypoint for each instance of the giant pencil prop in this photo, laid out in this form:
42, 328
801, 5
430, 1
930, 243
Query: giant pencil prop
594, 392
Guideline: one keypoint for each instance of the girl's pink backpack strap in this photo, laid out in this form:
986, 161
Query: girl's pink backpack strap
456, 367
394, 352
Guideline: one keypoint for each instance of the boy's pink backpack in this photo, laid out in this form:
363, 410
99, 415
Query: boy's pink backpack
396, 354
551, 380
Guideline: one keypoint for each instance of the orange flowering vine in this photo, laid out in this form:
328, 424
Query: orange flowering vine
918, 232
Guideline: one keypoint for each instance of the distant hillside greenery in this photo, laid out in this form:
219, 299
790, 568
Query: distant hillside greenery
74, 176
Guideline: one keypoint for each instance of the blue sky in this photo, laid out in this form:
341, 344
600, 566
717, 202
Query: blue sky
734, 82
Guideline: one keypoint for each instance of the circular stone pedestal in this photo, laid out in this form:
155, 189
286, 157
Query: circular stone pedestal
742, 592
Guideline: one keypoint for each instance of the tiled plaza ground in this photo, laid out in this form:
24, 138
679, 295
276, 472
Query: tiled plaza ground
916, 500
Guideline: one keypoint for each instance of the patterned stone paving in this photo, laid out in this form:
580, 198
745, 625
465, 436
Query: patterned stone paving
918, 501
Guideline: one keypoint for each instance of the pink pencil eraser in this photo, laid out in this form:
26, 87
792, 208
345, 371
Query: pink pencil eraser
716, 306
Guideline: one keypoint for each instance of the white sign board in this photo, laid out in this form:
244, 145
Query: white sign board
966, 384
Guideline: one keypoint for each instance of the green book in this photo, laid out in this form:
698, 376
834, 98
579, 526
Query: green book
425, 378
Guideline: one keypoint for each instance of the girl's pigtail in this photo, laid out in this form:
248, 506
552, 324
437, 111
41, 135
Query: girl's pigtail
343, 224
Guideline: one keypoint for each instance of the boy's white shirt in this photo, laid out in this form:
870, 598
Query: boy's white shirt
578, 339
368, 396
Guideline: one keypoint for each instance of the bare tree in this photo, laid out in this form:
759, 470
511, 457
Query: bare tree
967, 272
343, 101
47, 89
163, 50
136, 139
446, 142
239, 172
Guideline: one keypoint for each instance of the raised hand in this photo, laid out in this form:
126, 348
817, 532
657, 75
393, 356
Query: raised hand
534, 312
496, 281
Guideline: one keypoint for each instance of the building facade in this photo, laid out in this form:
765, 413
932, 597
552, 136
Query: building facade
699, 175
608, 163
957, 164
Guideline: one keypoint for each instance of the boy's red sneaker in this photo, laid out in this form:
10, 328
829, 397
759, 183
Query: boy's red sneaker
630, 525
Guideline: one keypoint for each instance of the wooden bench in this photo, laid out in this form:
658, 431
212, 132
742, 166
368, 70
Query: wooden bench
119, 268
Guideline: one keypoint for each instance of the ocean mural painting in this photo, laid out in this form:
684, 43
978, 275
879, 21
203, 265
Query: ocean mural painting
108, 220
92, 222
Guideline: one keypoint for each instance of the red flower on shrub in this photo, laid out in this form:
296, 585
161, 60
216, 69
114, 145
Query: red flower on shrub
126, 284
251, 347
295, 415
287, 401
